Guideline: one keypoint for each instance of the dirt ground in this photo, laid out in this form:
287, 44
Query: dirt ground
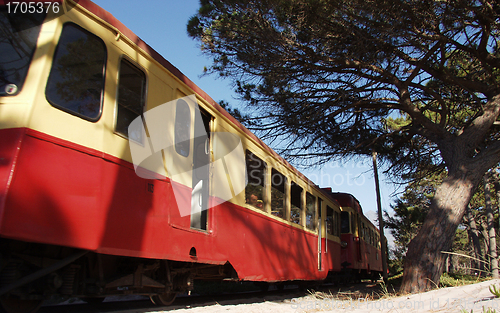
371, 298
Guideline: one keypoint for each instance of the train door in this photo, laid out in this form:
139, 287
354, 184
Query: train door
188, 163
320, 234
201, 172
359, 237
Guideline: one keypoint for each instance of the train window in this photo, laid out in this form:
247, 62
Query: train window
344, 222
278, 193
353, 223
256, 171
17, 44
336, 223
329, 221
76, 79
131, 92
320, 205
310, 211
182, 132
296, 201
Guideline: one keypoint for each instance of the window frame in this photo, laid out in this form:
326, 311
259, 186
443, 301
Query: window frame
330, 225
177, 143
262, 174
314, 213
36, 29
294, 196
104, 72
284, 193
348, 223
117, 95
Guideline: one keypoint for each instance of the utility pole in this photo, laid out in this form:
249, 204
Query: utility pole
383, 243
491, 226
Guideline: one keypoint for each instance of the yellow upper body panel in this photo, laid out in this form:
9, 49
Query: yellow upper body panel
32, 109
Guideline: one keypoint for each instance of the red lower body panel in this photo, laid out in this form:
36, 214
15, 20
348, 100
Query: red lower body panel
331, 256
56, 192
261, 248
360, 255
10, 144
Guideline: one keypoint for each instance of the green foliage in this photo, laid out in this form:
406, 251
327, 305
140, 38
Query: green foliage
485, 310
397, 123
409, 214
330, 75
383, 288
410, 211
495, 291
456, 279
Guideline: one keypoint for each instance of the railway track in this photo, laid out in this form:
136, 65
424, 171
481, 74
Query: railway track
182, 302
137, 304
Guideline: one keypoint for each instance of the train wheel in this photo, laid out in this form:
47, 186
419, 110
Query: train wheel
163, 299
15, 305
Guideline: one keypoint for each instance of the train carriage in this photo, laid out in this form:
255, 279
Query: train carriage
361, 256
77, 217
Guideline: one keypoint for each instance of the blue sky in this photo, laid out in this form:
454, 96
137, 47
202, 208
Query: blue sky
162, 25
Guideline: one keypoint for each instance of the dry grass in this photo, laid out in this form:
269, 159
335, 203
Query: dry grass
346, 297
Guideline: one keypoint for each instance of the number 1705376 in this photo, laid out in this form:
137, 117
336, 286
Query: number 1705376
33, 7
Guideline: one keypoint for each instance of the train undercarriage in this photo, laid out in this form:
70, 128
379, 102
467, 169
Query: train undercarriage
31, 273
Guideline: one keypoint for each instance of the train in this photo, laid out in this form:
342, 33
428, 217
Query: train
118, 176
361, 256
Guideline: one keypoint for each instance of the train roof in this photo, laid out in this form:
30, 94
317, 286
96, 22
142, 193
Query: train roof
345, 199
348, 200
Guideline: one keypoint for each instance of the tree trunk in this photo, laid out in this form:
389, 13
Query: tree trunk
424, 262
491, 229
486, 239
496, 182
473, 233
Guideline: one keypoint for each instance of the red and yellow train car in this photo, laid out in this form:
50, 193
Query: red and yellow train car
77, 220
361, 256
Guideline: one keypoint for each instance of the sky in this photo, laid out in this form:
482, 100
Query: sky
162, 25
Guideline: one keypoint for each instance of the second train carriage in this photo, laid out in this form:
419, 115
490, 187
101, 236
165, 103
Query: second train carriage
361, 256
76, 219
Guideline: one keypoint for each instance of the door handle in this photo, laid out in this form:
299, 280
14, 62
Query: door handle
207, 146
